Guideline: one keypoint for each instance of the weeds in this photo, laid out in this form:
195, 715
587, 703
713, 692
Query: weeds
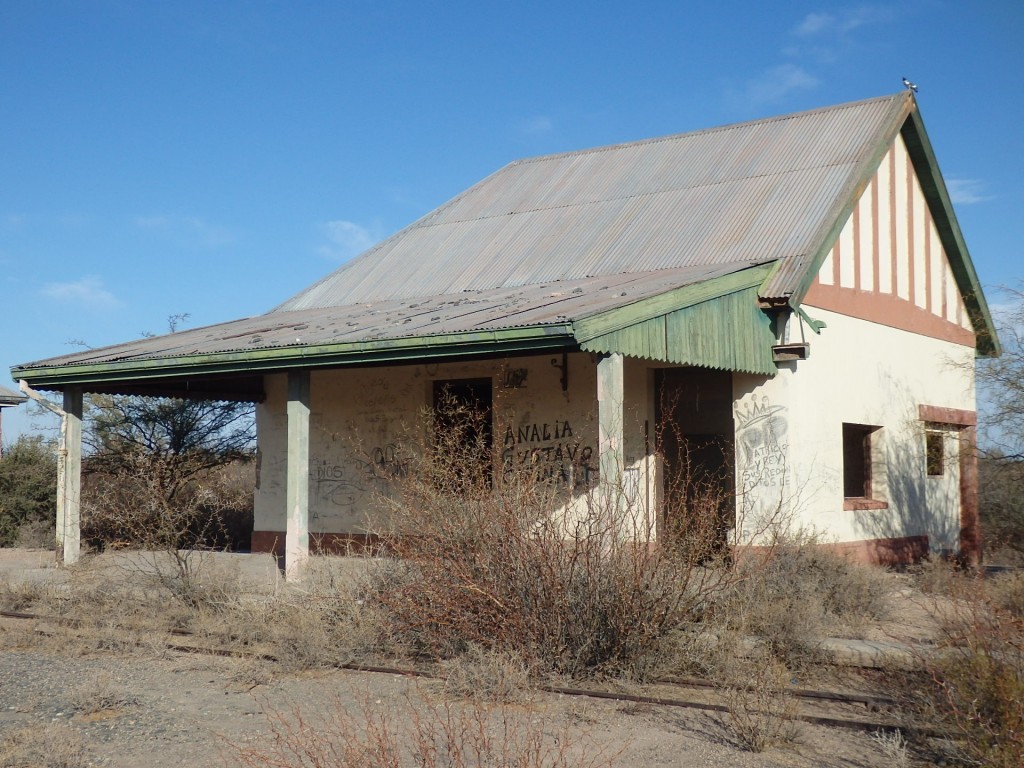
972, 684
791, 595
46, 746
420, 732
759, 714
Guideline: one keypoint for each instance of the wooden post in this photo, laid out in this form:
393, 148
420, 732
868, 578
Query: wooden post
610, 392
297, 537
73, 475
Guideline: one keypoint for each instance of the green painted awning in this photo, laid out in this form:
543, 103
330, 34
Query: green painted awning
715, 324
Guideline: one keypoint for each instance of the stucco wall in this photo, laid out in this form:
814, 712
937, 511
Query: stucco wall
364, 422
789, 431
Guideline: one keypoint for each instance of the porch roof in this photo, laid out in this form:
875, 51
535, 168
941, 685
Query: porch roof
227, 360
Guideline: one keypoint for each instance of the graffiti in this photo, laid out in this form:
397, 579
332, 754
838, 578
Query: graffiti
546, 446
762, 435
514, 378
334, 486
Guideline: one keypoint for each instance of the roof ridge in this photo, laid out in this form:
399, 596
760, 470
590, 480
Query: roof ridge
702, 131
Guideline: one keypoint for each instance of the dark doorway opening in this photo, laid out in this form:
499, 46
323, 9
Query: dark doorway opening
463, 433
696, 440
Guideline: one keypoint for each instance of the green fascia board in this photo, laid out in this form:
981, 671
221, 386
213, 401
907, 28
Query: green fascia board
908, 122
642, 310
926, 166
504, 341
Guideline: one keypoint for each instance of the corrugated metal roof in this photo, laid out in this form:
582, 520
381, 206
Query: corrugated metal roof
466, 312
10, 397
762, 190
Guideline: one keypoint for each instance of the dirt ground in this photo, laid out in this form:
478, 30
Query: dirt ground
165, 708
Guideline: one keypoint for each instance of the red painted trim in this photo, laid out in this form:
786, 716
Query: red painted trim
928, 303
856, 246
859, 503
894, 247
886, 309
876, 257
911, 281
903, 550
940, 415
837, 273
970, 522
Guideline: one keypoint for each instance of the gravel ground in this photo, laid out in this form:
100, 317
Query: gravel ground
153, 707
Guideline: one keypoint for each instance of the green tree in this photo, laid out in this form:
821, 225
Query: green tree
28, 486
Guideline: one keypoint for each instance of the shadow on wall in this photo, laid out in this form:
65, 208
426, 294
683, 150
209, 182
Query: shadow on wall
922, 469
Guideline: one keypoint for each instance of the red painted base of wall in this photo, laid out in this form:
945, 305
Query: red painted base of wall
319, 543
902, 551
899, 551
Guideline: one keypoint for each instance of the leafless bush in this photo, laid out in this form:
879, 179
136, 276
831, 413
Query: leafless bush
164, 506
419, 733
566, 578
894, 746
793, 593
973, 683
759, 713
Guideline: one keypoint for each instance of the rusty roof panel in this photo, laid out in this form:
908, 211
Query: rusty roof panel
547, 303
752, 191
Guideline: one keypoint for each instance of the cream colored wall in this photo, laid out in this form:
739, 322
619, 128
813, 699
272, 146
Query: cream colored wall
362, 420
789, 430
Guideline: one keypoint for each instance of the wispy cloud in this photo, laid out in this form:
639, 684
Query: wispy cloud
346, 239
773, 85
190, 230
88, 292
847, 20
967, 191
826, 36
536, 125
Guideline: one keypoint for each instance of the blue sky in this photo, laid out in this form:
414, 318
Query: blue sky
213, 158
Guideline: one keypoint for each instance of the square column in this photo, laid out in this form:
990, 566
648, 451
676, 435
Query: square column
297, 485
610, 418
69, 524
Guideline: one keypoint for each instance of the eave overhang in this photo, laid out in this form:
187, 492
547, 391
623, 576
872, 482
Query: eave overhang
906, 122
134, 374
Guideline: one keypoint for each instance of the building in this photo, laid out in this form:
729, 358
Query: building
792, 295
8, 399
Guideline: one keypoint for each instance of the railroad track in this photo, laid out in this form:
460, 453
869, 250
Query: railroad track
834, 709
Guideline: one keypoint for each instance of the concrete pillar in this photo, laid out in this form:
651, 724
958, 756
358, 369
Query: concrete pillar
72, 471
610, 418
297, 490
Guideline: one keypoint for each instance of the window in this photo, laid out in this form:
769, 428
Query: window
935, 452
863, 468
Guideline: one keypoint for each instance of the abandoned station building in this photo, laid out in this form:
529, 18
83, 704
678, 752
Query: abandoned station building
792, 295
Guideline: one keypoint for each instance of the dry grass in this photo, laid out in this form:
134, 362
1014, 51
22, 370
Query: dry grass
759, 714
45, 746
422, 732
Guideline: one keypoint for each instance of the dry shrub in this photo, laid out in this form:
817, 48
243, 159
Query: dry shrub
523, 562
419, 732
1007, 592
792, 594
488, 675
975, 685
53, 745
174, 506
759, 712
100, 692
